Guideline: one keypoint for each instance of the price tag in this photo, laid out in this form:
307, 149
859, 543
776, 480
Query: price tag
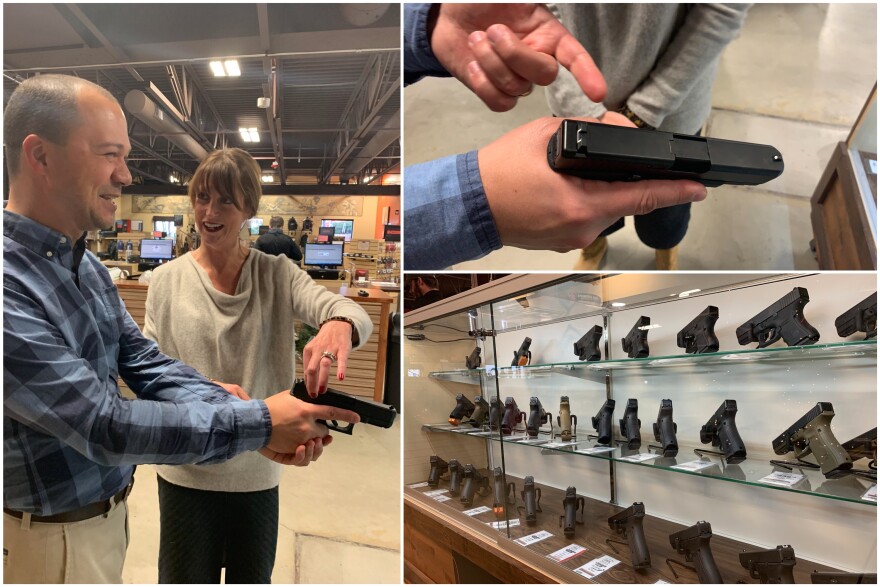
694, 465
533, 538
413, 373
569, 552
476, 511
441, 498
436, 492
645, 456
560, 444
417, 485
516, 438
502, 524
782, 479
596, 567
872, 164
595, 450
533, 441
871, 494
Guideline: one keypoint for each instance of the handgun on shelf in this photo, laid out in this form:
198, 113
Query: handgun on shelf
371, 412
503, 493
512, 416
481, 412
531, 497
537, 418
438, 467
463, 409
772, 566
602, 422
860, 318
635, 344
629, 523
474, 360
812, 434
587, 347
523, 356
455, 471
571, 503
699, 336
616, 153
783, 319
630, 425
665, 429
721, 431
693, 543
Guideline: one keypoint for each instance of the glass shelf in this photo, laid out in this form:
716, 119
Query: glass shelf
749, 472
596, 370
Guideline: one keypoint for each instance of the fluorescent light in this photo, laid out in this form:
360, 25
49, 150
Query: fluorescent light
255, 136
685, 294
232, 68
245, 135
617, 304
267, 178
217, 68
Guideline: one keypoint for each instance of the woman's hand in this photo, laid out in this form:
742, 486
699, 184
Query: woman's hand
334, 337
304, 454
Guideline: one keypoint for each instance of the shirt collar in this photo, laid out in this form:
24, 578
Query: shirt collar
46, 242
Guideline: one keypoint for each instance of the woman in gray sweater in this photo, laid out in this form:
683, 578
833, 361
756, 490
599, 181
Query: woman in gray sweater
229, 311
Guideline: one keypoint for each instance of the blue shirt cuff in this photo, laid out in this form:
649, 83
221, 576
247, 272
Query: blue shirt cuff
418, 58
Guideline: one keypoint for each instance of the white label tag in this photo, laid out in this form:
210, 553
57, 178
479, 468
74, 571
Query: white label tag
871, 494
560, 444
413, 373
563, 554
645, 456
441, 497
872, 163
596, 567
533, 538
694, 465
595, 450
435, 492
502, 524
477, 511
782, 479
533, 441
516, 438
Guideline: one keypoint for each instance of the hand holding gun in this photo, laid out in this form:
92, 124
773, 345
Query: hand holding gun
693, 543
503, 494
463, 409
537, 418
635, 345
721, 431
629, 524
571, 503
774, 566
602, 422
512, 416
665, 429
523, 356
566, 420
371, 412
531, 497
630, 425
783, 319
860, 318
481, 412
587, 347
455, 471
474, 484
473, 361
699, 336
494, 414
812, 434
438, 467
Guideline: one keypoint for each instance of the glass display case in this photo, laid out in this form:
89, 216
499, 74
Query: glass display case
579, 454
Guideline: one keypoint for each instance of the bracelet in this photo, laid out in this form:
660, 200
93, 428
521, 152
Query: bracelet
634, 118
355, 337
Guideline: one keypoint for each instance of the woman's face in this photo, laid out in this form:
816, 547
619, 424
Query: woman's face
218, 221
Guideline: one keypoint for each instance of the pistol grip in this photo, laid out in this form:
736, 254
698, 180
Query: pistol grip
707, 570
334, 425
638, 546
834, 461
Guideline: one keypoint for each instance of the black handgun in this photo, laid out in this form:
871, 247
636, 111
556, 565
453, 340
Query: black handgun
783, 319
812, 434
699, 336
839, 577
455, 471
602, 422
571, 503
474, 484
537, 418
474, 360
481, 412
438, 467
566, 420
665, 429
494, 414
635, 345
463, 408
721, 431
503, 493
693, 543
531, 497
629, 523
617, 153
630, 425
523, 356
860, 318
587, 347
512, 416
863, 446
774, 566
371, 412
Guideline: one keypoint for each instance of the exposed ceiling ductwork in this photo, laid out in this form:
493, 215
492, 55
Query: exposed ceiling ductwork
144, 109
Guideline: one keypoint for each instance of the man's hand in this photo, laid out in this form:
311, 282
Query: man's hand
302, 456
233, 389
500, 50
294, 423
335, 337
536, 208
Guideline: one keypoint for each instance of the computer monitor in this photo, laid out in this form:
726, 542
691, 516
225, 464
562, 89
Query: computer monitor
323, 255
254, 225
159, 249
343, 228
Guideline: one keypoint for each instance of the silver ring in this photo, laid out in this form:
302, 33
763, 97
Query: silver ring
527, 92
329, 355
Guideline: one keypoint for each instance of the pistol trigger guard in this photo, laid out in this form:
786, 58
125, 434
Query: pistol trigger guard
334, 425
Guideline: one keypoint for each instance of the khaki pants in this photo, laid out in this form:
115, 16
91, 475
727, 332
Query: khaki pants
90, 551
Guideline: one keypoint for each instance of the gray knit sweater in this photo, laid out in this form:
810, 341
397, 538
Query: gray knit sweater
660, 59
246, 338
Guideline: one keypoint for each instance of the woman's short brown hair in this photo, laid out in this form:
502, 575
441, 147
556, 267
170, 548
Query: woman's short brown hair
232, 173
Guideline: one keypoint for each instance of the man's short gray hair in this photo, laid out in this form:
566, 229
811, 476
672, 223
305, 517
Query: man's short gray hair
276, 222
44, 105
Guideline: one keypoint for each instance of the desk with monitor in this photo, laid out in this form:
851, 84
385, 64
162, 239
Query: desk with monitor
155, 252
322, 260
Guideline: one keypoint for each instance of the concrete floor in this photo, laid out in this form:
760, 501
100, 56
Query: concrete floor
796, 78
339, 518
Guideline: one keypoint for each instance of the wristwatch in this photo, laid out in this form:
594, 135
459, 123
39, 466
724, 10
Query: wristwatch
634, 118
355, 337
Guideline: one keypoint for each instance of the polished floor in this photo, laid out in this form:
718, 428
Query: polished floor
796, 78
339, 517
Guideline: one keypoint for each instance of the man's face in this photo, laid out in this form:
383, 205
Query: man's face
85, 177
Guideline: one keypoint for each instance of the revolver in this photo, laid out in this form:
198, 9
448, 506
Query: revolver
629, 524
571, 503
523, 356
474, 483
721, 431
635, 345
630, 424
473, 360
665, 429
693, 543
860, 318
812, 434
494, 414
512, 416
503, 494
566, 420
587, 347
371, 412
463, 409
481, 412
699, 336
455, 470
773, 566
602, 422
537, 418
438, 467
783, 319
531, 497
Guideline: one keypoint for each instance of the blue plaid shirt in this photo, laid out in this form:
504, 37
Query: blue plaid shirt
69, 437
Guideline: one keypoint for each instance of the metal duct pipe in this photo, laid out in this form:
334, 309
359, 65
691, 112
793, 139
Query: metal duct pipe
144, 109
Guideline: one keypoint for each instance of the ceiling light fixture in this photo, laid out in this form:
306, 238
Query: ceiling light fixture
267, 179
685, 294
229, 68
217, 68
617, 304
249, 135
